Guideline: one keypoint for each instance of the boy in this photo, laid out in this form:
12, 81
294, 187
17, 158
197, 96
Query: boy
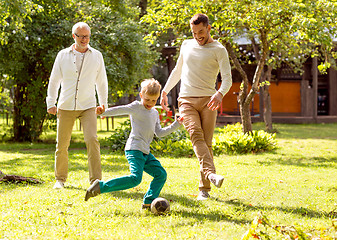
144, 123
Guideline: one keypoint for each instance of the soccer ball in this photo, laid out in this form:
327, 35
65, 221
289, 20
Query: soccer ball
160, 206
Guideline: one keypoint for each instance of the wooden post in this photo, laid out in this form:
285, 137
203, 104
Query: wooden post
314, 71
168, 54
332, 91
306, 90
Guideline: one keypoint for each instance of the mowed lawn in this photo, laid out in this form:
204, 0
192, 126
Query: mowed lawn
295, 186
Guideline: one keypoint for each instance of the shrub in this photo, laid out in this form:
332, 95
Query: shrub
119, 136
176, 144
230, 140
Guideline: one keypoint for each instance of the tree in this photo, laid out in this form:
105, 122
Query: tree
29, 48
269, 25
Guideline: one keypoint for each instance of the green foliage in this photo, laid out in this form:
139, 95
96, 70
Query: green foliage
119, 136
176, 144
304, 22
6, 103
279, 32
232, 140
16, 11
165, 117
29, 46
261, 228
128, 58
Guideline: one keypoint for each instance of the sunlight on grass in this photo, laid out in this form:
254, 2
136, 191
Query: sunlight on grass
292, 186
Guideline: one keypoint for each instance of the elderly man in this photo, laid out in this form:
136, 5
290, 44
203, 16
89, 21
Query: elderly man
197, 67
80, 72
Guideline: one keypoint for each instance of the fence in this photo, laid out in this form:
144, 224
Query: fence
107, 124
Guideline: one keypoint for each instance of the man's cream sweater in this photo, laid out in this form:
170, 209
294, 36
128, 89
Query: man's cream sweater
197, 68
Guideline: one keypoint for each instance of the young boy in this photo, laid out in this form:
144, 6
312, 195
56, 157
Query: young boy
144, 124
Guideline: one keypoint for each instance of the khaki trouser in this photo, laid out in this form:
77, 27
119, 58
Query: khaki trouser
65, 123
200, 121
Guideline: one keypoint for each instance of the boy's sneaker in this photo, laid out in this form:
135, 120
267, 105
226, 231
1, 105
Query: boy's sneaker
217, 180
203, 195
146, 206
58, 185
93, 190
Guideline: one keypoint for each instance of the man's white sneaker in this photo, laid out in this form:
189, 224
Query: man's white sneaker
203, 195
217, 180
59, 184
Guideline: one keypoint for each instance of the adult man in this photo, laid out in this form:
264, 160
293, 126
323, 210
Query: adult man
79, 70
197, 67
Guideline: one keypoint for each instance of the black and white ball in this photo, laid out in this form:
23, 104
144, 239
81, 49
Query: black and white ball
160, 206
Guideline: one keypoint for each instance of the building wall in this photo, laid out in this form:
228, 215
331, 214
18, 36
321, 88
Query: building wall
285, 98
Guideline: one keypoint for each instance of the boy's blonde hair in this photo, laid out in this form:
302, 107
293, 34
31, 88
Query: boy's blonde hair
150, 86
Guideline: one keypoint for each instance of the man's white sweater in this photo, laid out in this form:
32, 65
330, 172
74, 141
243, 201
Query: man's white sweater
197, 68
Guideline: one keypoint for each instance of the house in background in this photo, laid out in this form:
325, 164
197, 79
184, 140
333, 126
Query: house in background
310, 97
307, 98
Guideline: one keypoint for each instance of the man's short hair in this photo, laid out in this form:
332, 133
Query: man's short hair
80, 25
200, 18
150, 86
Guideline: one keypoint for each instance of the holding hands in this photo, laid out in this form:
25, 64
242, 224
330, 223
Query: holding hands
99, 110
178, 118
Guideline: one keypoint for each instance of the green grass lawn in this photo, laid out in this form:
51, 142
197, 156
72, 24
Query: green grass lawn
293, 186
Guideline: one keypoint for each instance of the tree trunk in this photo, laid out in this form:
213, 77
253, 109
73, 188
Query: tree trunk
18, 179
20, 124
29, 111
246, 117
245, 97
267, 110
244, 102
143, 6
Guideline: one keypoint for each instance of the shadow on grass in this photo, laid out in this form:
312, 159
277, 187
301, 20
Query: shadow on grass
210, 215
310, 162
301, 211
44, 161
303, 131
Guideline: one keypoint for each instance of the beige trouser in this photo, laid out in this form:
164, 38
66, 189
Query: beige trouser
65, 123
200, 121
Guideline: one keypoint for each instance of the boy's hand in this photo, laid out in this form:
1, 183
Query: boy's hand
99, 110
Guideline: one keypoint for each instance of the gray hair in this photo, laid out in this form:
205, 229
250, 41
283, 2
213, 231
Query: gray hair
80, 25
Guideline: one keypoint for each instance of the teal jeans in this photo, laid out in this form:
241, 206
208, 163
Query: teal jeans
139, 163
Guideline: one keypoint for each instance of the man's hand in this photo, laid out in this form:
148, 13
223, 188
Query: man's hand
215, 101
164, 101
99, 110
52, 110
